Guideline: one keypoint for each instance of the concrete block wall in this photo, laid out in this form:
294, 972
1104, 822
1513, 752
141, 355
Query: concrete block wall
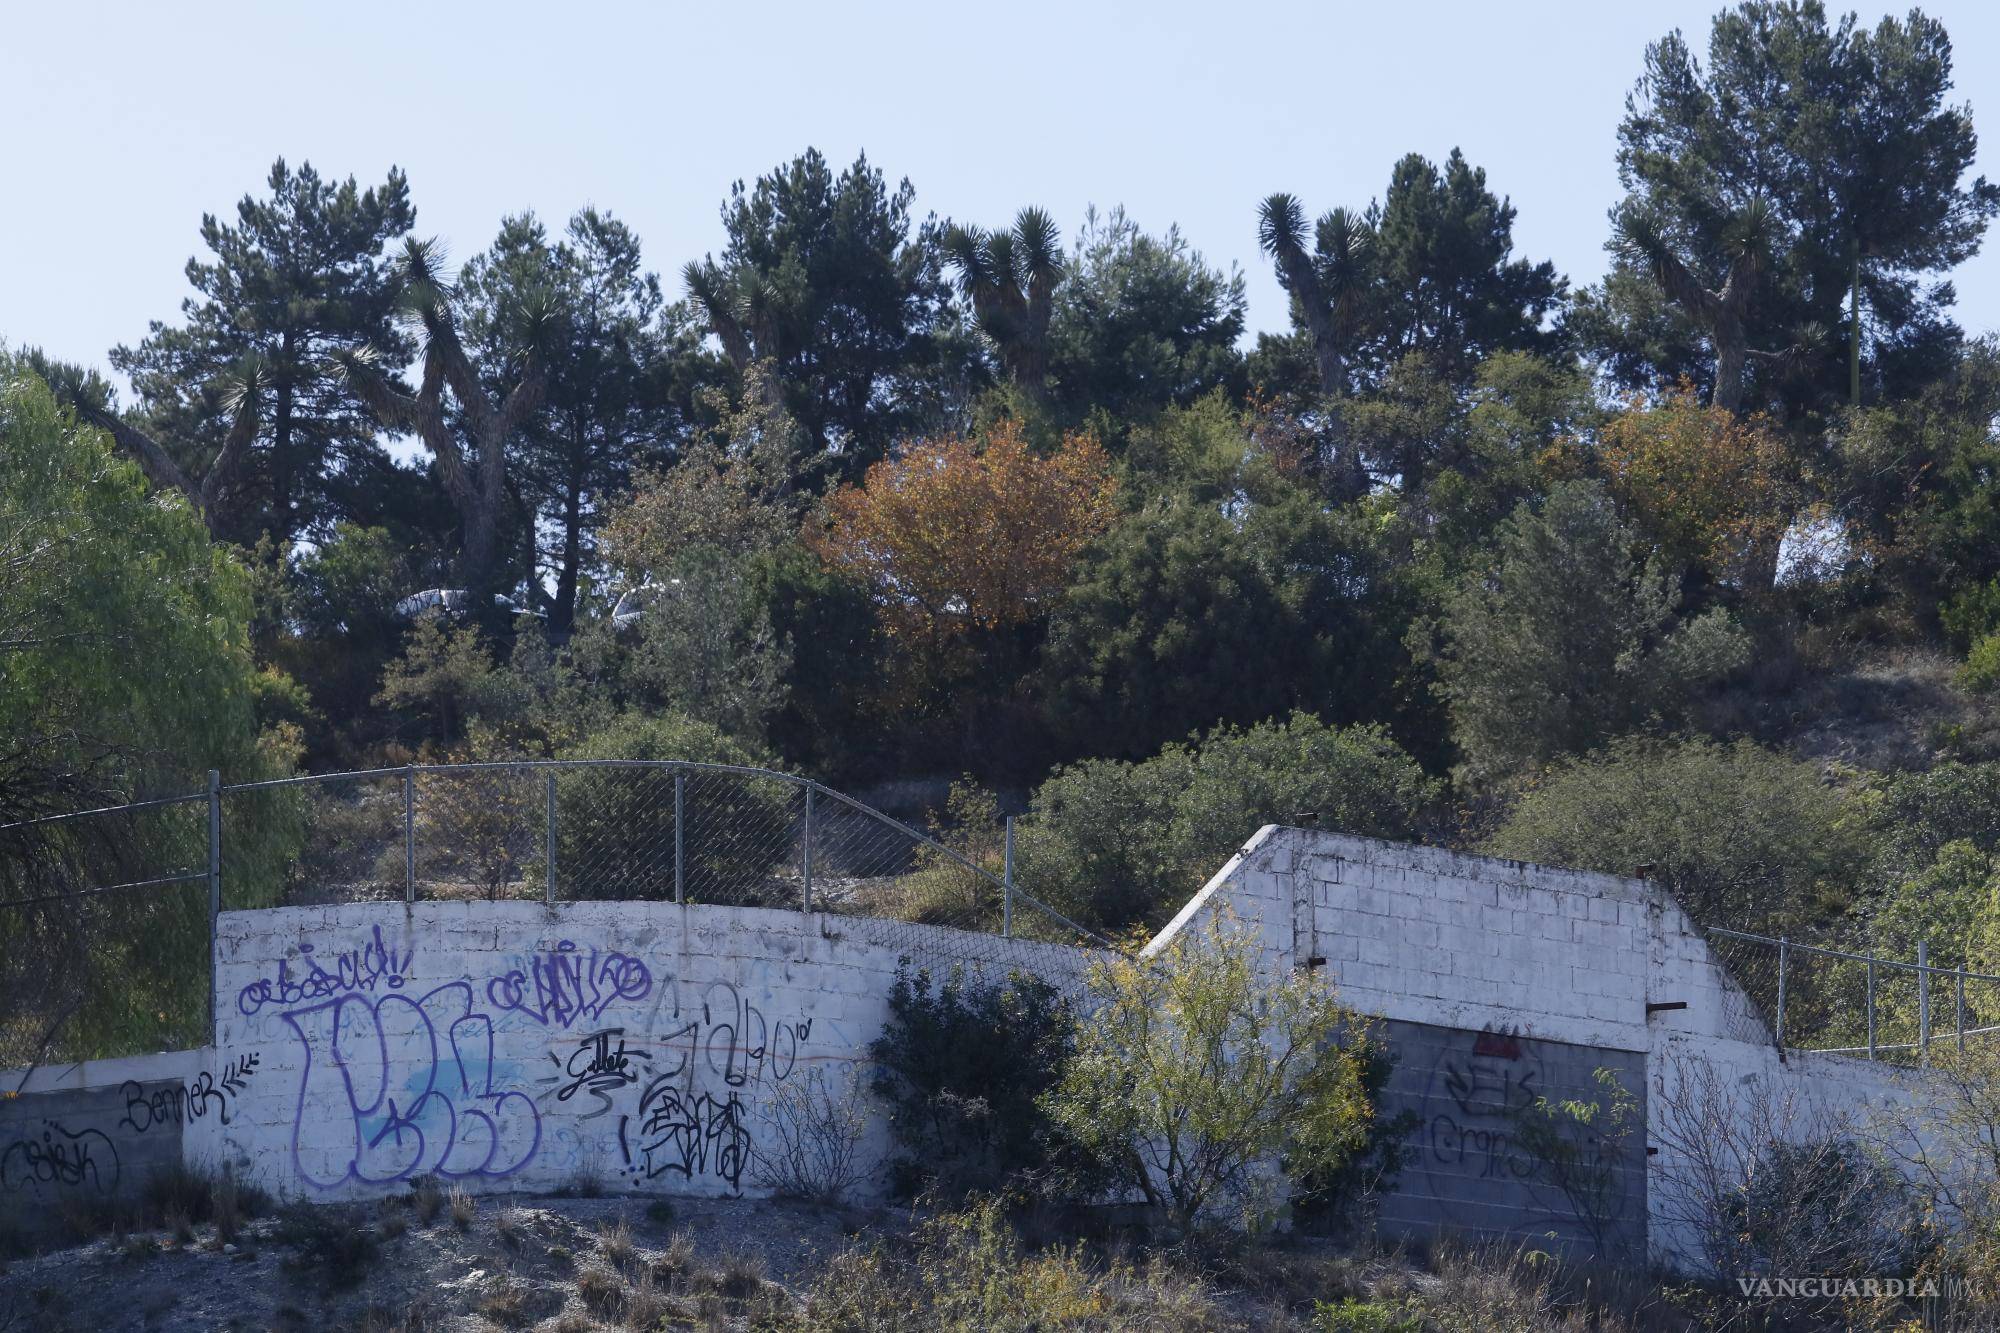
647, 1046
511, 1046
1466, 947
84, 1135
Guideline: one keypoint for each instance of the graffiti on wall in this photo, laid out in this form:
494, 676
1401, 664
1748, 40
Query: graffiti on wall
175, 1104
686, 1134
567, 985
1487, 1154
403, 1087
393, 1084
360, 970
60, 1157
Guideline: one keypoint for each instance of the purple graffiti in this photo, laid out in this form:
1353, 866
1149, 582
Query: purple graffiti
565, 985
396, 1087
373, 964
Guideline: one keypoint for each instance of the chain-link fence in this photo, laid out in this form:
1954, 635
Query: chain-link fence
107, 916
1815, 998
104, 931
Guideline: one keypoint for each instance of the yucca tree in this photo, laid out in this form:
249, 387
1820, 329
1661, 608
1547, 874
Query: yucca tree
475, 479
1724, 310
1329, 286
239, 396
1010, 277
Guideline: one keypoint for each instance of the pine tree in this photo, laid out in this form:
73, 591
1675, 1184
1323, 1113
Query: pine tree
297, 277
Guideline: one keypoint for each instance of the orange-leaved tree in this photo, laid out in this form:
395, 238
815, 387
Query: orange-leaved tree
954, 536
1714, 489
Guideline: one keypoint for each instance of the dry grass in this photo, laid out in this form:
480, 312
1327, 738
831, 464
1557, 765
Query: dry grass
508, 1226
505, 1302
615, 1243
601, 1287
426, 1200
675, 1267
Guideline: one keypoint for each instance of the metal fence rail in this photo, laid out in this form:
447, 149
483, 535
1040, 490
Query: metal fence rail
107, 917
1837, 1002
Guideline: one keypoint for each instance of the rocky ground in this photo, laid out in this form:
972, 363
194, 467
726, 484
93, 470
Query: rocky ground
437, 1262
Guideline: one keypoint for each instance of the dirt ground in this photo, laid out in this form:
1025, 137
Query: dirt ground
563, 1265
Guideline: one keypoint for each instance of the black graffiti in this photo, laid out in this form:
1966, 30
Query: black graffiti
741, 1046
1492, 1153
600, 1069
61, 1157
691, 1134
203, 1094
1486, 1085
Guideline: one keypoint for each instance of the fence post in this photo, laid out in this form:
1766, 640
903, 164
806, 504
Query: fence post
1923, 1003
409, 833
552, 839
1784, 958
806, 855
1871, 1008
214, 886
1007, 885
680, 790
1958, 983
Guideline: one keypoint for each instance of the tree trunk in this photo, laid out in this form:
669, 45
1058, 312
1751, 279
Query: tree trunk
281, 447
1732, 352
572, 557
1854, 332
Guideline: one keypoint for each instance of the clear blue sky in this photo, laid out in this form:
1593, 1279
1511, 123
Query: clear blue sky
126, 122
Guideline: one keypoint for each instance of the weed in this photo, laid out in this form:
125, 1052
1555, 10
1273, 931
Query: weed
646, 1306
741, 1275
505, 1302
615, 1243
676, 1263
660, 1212
426, 1199
334, 1243
179, 1225
583, 1183
601, 1288
463, 1207
1353, 1316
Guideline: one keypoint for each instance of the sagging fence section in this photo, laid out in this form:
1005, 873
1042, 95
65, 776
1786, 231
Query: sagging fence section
107, 917
1838, 1002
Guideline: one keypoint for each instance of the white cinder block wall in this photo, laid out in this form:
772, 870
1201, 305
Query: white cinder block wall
514, 1046
1480, 944
510, 1046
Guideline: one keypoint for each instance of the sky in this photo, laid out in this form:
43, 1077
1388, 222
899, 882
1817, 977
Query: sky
127, 122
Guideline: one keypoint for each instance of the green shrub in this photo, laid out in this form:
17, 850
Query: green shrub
968, 1272
335, 1244
1193, 1070
1981, 671
1116, 844
1353, 1316
1567, 642
961, 1066
1742, 837
615, 827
